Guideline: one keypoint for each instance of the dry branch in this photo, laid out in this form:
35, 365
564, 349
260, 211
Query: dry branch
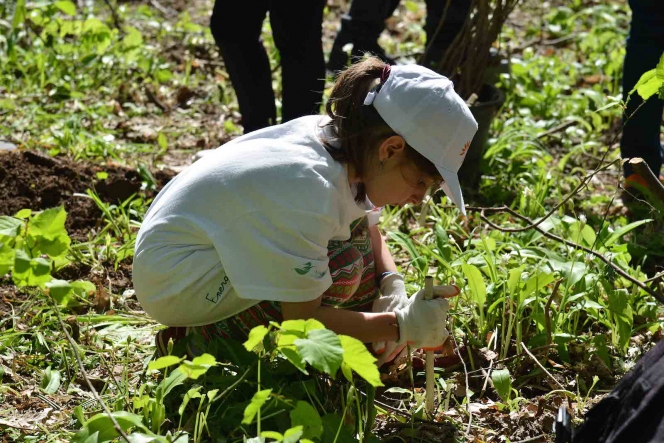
617, 268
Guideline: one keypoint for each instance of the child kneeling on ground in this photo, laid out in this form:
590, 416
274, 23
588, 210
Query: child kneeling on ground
280, 224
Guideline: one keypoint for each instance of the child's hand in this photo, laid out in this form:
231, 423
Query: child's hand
422, 323
390, 350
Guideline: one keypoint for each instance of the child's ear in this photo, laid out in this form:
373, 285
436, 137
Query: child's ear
392, 147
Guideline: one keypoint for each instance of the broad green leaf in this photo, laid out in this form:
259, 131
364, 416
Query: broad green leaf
55, 247
162, 141
502, 382
211, 394
19, 14
102, 424
198, 366
83, 288
66, 6
360, 360
291, 330
274, 435
571, 271
476, 283
162, 76
132, 39
174, 379
84, 436
60, 290
347, 371
292, 435
164, 362
534, 284
648, 85
256, 336
412, 6
293, 325
306, 416
615, 235
397, 390
30, 272
6, 258
10, 226
514, 278
257, 401
191, 394
49, 224
23, 214
51, 381
295, 358
322, 350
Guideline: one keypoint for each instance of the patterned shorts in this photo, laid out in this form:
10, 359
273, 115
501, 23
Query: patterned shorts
353, 287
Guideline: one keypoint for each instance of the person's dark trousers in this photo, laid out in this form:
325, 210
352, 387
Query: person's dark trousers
365, 21
440, 37
296, 29
645, 45
361, 26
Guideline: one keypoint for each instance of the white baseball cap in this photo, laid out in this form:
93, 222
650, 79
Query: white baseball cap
422, 107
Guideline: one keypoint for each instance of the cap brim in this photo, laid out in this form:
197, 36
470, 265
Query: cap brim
452, 188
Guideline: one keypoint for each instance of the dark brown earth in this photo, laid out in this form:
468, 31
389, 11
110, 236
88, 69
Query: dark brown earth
38, 181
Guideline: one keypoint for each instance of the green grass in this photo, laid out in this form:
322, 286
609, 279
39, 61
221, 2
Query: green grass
151, 93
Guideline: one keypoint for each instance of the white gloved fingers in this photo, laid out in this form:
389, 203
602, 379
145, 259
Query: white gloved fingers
392, 283
390, 356
423, 322
446, 291
393, 294
379, 347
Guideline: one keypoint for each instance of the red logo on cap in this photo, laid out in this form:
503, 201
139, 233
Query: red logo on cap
465, 148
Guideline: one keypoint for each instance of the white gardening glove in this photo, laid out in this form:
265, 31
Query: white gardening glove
393, 296
422, 323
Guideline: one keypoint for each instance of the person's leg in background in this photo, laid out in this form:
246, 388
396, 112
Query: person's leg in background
361, 26
645, 45
236, 27
439, 37
297, 31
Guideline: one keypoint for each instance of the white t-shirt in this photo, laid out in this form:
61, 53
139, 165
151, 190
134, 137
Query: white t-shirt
248, 222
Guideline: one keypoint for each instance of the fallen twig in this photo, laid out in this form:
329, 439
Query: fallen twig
115, 16
169, 13
96, 396
154, 99
556, 129
465, 371
542, 367
532, 224
513, 357
531, 439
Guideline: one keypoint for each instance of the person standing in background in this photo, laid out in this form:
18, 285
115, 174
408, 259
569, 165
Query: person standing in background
642, 127
365, 21
296, 29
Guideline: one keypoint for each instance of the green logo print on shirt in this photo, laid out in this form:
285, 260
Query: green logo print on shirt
306, 268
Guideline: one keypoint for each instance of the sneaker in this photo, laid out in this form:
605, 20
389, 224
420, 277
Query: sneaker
635, 186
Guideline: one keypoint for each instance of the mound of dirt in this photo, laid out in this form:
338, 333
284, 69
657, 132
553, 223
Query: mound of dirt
37, 181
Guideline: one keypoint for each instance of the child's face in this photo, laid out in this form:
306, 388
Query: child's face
392, 179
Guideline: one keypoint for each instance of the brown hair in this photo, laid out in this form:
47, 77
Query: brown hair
359, 129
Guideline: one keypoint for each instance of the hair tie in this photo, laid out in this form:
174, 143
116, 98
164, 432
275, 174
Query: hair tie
385, 74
